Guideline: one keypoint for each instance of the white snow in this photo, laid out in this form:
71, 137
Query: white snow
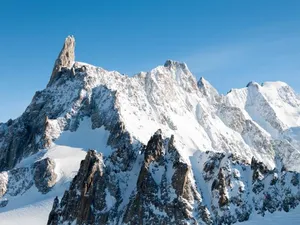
86, 138
35, 213
67, 161
197, 165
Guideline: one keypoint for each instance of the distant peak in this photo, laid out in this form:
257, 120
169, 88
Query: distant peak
174, 64
253, 84
207, 89
65, 59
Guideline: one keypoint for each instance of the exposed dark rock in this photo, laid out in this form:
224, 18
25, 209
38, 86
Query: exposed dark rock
295, 179
19, 140
258, 169
223, 199
164, 190
85, 200
3, 203
20, 180
212, 165
154, 148
55, 212
173, 209
270, 190
44, 175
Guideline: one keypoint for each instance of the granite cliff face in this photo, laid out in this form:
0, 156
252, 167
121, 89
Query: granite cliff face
65, 60
166, 148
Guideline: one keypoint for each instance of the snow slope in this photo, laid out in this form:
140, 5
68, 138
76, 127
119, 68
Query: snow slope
35, 213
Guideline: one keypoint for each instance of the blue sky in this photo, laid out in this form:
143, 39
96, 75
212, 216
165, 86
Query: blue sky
229, 42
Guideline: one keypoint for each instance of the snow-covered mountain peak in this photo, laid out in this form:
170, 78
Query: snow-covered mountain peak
271, 98
210, 157
174, 73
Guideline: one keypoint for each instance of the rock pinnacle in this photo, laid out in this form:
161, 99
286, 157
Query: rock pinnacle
65, 58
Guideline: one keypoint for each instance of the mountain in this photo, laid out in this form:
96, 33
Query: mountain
160, 147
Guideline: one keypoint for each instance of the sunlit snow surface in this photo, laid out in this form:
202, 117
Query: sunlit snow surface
86, 138
31, 214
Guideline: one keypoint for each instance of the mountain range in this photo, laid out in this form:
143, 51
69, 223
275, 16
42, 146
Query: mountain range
159, 147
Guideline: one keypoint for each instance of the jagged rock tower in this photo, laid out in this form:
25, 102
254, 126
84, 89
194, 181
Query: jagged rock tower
66, 58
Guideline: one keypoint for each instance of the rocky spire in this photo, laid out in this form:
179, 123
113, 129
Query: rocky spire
65, 58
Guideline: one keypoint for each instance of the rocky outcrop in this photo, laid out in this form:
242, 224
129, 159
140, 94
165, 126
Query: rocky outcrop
236, 181
276, 189
164, 186
163, 193
85, 201
17, 181
44, 175
65, 60
18, 139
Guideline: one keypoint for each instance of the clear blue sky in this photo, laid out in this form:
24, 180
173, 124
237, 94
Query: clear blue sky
229, 42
